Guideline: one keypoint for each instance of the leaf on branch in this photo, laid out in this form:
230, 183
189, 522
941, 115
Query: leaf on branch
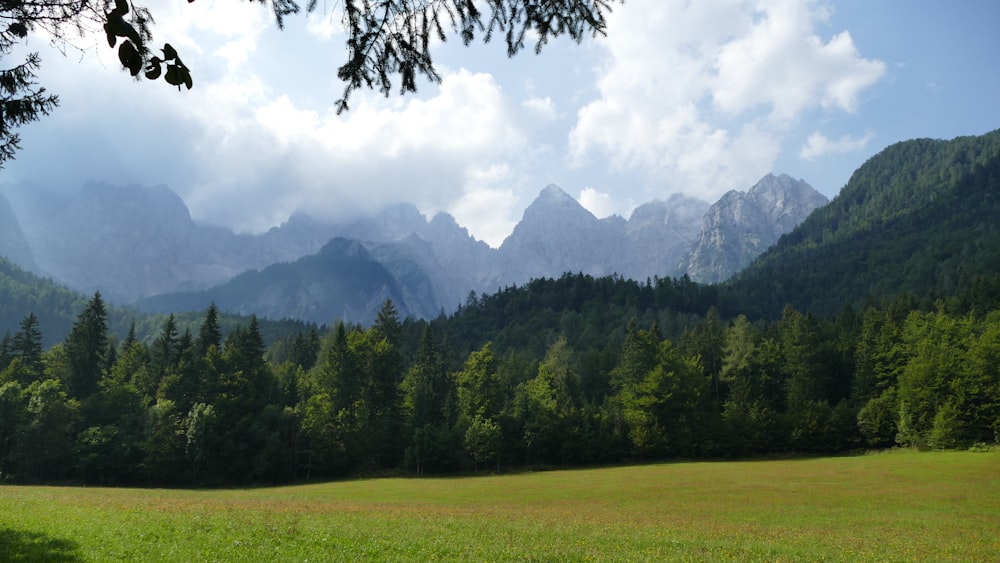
178, 74
154, 68
172, 76
112, 38
121, 28
130, 57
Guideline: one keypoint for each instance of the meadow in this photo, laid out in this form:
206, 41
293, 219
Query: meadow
893, 506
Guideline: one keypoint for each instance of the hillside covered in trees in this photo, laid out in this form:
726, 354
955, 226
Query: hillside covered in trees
920, 216
203, 409
888, 333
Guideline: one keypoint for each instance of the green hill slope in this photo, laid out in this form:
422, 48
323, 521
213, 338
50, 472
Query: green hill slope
22, 292
57, 307
921, 216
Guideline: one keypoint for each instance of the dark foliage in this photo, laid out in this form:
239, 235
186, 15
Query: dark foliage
920, 217
575, 370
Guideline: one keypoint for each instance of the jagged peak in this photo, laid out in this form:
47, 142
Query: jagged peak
770, 182
552, 200
445, 219
553, 192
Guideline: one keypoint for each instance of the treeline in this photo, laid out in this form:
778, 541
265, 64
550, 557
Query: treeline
194, 407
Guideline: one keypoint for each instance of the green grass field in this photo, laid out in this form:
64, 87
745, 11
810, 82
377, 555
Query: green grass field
897, 506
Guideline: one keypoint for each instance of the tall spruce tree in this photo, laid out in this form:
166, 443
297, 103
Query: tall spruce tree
209, 334
6, 353
27, 346
86, 346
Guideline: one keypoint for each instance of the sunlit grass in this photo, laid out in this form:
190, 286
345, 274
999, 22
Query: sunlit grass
880, 507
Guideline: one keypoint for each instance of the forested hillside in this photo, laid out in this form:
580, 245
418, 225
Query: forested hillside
920, 216
897, 343
55, 307
200, 408
22, 293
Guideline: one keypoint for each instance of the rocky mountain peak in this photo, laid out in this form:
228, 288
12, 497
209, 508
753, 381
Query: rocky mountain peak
554, 194
784, 200
742, 225
556, 235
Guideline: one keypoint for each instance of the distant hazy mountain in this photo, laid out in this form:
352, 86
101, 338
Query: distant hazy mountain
13, 245
341, 282
742, 225
661, 238
557, 235
135, 242
451, 259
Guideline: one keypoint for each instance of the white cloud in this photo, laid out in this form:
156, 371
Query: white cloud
323, 24
487, 213
698, 97
281, 157
543, 108
597, 202
685, 97
819, 144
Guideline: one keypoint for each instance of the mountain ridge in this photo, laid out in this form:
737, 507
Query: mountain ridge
436, 262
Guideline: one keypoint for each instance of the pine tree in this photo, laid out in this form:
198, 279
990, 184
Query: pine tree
6, 355
27, 346
210, 334
164, 348
386, 375
86, 347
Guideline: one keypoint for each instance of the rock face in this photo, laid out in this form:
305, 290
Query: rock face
742, 225
658, 235
557, 235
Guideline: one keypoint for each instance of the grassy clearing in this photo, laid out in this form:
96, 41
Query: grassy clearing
884, 507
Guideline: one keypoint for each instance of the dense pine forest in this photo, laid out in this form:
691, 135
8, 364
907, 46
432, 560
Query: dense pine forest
874, 324
595, 379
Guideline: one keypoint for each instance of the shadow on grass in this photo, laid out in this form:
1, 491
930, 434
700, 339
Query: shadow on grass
19, 545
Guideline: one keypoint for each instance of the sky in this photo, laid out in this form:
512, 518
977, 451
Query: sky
680, 97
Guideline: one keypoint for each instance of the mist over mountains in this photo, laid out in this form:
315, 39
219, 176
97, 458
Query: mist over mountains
139, 245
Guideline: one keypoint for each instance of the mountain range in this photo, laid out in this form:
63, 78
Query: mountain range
140, 245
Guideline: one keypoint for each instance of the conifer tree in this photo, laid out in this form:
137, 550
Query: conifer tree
86, 347
209, 334
27, 346
6, 355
